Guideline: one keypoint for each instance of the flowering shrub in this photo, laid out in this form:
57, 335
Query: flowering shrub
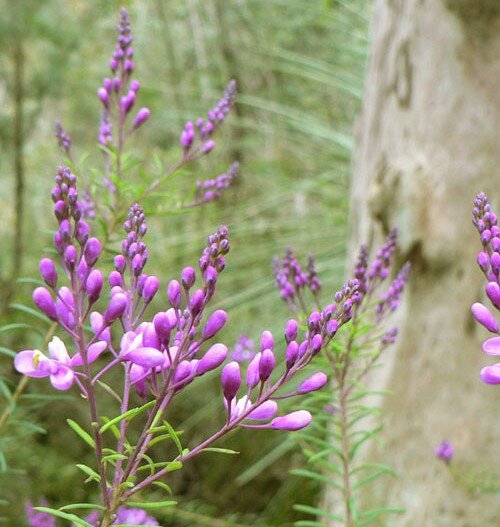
104, 322
345, 420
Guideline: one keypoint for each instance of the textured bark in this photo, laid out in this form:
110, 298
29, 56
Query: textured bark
428, 141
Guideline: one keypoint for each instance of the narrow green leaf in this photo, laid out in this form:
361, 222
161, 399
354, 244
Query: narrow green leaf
64, 515
92, 474
81, 432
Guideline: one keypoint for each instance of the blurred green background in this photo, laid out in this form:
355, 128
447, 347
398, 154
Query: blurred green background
299, 66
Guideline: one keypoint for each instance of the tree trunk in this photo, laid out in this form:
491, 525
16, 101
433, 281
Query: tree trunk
428, 141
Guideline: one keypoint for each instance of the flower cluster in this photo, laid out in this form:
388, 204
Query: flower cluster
211, 189
205, 128
118, 94
488, 259
292, 281
63, 139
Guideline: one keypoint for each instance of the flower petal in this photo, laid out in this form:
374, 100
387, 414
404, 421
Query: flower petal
63, 378
491, 374
92, 354
32, 363
58, 351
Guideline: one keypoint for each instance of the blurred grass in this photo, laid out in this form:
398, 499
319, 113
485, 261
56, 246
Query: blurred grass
299, 66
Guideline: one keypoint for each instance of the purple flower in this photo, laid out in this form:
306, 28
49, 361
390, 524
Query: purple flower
38, 519
444, 451
243, 350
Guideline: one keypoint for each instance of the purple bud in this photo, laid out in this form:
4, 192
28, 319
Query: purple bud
483, 315
120, 263
196, 302
291, 330
48, 272
495, 261
266, 341
82, 232
291, 354
491, 374
266, 364
316, 344
103, 96
212, 359
493, 292
293, 421
492, 346
231, 380
70, 257
188, 277
332, 327
315, 382
151, 286
116, 308
183, 371
208, 147
135, 85
44, 302
162, 326
93, 285
174, 294
115, 279
141, 117
215, 323
150, 337
92, 251
253, 377
483, 260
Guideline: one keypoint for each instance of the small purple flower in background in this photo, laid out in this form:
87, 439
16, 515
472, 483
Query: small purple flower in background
205, 128
444, 451
243, 350
125, 515
211, 189
63, 139
488, 259
37, 518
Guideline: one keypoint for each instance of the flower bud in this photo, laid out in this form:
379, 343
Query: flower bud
151, 286
82, 232
215, 323
231, 380
253, 377
266, 341
93, 285
267, 410
315, 382
332, 327
103, 96
196, 302
291, 354
493, 292
483, 315
266, 364
116, 307
293, 421
70, 257
150, 337
291, 330
183, 371
120, 263
115, 279
208, 147
92, 251
48, 271
188, 277
491, 374
44, 302
141, 117
492, 346
316, 344
174, 294
212, 359
483, 260
162, 326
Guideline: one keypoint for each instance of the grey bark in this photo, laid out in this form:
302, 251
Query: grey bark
428, 141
